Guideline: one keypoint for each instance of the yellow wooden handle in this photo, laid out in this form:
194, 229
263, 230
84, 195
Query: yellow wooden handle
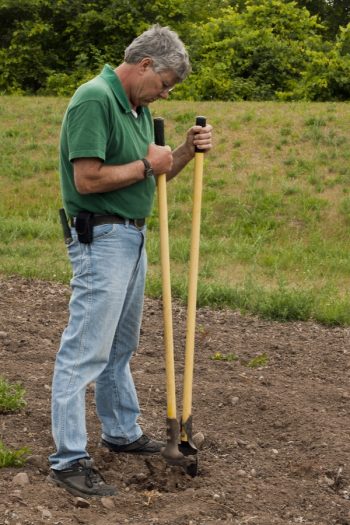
192, 290
166, 287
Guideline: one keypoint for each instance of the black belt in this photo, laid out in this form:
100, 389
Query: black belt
98, 220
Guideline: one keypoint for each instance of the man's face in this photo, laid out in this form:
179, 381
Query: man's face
153, 86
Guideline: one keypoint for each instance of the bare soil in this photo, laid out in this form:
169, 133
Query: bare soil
277, 443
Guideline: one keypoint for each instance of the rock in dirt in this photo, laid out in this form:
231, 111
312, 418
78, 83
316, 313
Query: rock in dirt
108, 503
3, 335
198, 440
45, 513
234, 400
81, 503
21, 479
37, 461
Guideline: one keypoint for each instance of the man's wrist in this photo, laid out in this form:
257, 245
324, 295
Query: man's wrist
148, 170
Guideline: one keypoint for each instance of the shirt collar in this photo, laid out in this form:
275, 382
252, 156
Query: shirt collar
113, 81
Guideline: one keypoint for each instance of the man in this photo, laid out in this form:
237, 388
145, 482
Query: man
108, 167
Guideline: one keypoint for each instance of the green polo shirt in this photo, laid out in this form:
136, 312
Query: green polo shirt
99, 123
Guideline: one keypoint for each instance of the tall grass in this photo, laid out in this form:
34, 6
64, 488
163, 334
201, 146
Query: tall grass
275, 215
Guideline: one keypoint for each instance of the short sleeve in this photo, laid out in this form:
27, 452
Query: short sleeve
87, 130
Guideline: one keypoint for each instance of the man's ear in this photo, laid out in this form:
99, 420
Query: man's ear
145, 64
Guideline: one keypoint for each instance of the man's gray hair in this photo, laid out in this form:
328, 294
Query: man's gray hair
164, 47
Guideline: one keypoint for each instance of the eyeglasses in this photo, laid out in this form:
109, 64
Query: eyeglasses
166, 87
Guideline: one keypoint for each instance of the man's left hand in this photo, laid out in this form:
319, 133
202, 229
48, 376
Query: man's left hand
200, 137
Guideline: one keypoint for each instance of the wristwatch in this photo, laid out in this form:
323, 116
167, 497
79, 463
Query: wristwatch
148, 169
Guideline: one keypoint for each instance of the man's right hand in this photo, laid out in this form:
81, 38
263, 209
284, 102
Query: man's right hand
160, 158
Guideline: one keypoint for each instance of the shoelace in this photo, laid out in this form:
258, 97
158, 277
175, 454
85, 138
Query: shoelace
93, 477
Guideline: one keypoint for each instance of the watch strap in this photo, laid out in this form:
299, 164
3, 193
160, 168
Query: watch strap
148, 172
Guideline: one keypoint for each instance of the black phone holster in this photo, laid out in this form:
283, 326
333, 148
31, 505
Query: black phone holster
84, 226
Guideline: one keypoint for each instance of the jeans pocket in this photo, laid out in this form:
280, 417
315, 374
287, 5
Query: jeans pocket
103, 230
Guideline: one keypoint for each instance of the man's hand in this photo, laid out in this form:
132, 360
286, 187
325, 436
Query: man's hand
161, 158
196, 136
199, 137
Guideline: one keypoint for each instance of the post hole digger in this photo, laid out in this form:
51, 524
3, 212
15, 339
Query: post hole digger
184, 453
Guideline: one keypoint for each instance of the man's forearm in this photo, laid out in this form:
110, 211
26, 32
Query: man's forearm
93, 176
181, 157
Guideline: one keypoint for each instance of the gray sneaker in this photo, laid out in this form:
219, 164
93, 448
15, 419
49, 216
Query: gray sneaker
144, 446
82, 479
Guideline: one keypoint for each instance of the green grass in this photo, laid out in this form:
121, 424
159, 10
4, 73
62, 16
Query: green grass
258, 361
11, 400
218, 356
12, 458
11, 397
275, 215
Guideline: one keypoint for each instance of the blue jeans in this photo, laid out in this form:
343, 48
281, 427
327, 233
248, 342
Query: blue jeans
97, 345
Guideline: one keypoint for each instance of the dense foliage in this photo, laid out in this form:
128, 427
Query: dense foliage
333, 13
245, 49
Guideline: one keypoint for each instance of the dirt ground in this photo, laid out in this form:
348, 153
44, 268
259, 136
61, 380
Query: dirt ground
277, 442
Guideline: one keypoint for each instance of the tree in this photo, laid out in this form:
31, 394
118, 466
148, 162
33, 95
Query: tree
333, 13
252, 54
240, 49
51, 45
327, 76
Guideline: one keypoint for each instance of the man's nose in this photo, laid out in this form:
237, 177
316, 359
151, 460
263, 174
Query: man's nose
164, 93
